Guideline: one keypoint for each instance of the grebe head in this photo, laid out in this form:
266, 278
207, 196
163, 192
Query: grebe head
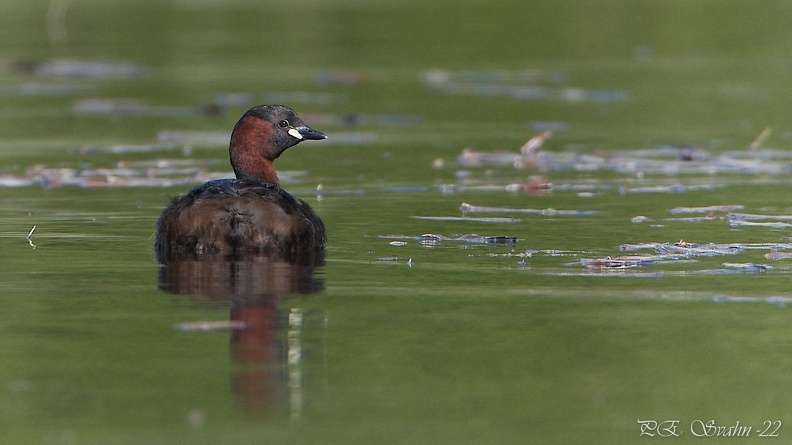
261, 135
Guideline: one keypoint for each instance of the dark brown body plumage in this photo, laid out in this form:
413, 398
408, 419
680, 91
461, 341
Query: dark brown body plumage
241, 215
251, 213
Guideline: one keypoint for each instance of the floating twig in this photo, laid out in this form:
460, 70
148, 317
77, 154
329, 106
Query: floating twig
747, 267
707, 209
467, 219
206, 326
431, 238
757, 143
30, 237
754, 217
780, 301
466, 208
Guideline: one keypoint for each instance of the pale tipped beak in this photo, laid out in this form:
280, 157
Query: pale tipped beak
305, 132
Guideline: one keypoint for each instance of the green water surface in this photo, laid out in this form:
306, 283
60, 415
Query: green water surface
466, 344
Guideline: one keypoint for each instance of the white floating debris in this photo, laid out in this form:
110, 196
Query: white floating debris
775, 256
677, 188
617, 263
466, 208
79, 68
777, 300
747, 267
685, 249
668, 161
772, 225
156, 173
44, 89
17, 181
708, 209
535, 143
205, 326
129, 148
757, 143
30, 237
737, 217
431, 238
135, 107
518, 85
749, 216
468, 219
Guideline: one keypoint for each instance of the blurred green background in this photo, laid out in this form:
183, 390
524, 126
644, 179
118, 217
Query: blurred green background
465, 346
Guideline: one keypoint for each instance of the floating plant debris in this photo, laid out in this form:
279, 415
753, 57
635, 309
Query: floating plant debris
533, 186
734, 219
522, 85
30, 237
207, 326
753, 217
663, 160
468, 238
709, 217
161, 173
99, 69
469, 219
707, 209
535, 143
144, 173
746, 219
777, 300
471, 158
17, 181
406, 189
617, 263
681, 253
690, 249
588, 187
135, 107
685, 249
772, 225
466, 208
44, 89
320, 191
747, 267
677, 188
129, 148
441, 77
775, 256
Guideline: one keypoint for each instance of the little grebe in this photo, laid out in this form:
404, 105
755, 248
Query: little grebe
250, 213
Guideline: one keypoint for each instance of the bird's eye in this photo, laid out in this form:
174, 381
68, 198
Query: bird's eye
283, 123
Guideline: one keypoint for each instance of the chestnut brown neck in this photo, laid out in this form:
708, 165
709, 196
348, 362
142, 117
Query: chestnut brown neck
251, 151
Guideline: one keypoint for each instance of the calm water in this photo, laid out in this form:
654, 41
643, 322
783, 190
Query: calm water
110, 109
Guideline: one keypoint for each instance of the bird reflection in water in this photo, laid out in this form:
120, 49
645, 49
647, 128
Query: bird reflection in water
269, 371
